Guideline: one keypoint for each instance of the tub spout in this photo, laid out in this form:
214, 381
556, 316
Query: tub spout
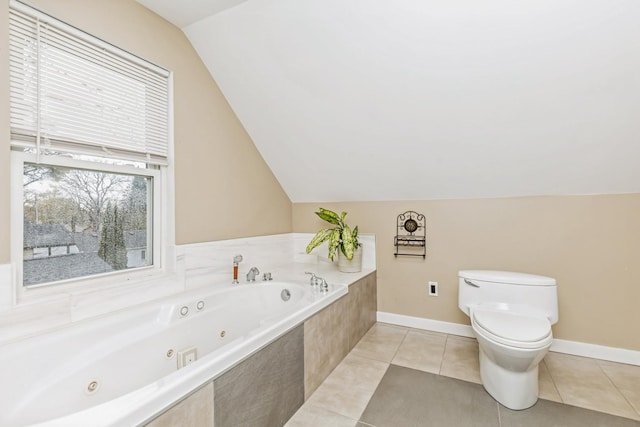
251, 275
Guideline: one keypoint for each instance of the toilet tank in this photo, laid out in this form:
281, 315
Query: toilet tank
521, 291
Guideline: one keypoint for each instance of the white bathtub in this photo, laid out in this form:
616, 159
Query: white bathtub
122, 369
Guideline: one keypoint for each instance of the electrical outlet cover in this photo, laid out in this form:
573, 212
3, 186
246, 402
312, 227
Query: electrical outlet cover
433, 289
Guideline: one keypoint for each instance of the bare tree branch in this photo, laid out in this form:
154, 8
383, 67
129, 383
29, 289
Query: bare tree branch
92, 190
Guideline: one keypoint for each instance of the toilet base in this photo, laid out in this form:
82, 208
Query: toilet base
514, 390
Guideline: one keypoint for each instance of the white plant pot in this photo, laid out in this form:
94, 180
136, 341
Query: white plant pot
350, 266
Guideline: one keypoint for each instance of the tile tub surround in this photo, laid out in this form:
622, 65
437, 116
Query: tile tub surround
281, 255
149, 339
266, 389
326, 342
568, 384
195, 410
200, 265
334, 331
290, 269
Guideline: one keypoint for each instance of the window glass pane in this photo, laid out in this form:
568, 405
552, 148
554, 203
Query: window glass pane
83, 222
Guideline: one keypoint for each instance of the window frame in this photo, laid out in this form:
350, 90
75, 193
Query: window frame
117, 289
90, 282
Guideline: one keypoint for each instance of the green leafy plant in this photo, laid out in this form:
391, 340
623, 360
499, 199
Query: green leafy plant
341, 236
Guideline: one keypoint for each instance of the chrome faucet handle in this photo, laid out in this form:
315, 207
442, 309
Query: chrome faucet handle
251, 275
266, 277
324, 286
313, 281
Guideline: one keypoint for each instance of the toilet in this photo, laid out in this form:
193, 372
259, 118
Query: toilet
511, 315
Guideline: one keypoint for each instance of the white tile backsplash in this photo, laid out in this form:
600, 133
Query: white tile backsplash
212, 263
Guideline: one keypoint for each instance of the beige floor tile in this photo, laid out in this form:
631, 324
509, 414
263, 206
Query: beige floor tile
461, 359
422, 351
381, 342
359, 370
626, 378
546, 388
581, 382
314, 416
342, 397
350, 386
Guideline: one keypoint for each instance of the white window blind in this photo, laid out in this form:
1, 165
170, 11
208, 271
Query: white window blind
74, 93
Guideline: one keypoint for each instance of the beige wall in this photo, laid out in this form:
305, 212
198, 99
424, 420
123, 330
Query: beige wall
590, 244
224, 189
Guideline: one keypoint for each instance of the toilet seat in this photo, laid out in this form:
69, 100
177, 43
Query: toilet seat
519, 330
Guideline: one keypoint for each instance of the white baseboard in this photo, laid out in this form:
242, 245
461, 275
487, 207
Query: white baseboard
613, 354
426, 324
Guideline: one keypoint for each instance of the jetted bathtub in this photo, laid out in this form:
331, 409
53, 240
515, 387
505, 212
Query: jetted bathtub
123, 369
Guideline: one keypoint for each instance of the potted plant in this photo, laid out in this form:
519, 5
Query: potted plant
343, 241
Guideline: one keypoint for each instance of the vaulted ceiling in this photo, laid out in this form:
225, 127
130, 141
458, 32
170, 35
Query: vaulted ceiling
351, 100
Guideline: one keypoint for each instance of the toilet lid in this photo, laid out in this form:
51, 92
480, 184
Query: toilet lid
513, 326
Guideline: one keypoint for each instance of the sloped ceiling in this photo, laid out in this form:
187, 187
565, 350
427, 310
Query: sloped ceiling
353, 100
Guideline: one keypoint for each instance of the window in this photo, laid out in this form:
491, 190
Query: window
90, 143
80, 222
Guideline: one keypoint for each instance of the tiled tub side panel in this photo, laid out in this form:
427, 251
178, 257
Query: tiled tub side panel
196, 410
327, 337
363, 307
326, 343
266, 389
330, 334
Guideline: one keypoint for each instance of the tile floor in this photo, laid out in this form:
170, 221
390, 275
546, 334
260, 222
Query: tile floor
602, 386
411, 398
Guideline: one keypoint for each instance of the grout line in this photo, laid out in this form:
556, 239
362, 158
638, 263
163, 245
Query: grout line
499, 419
444, 350
406, 332
553, 381
624, 396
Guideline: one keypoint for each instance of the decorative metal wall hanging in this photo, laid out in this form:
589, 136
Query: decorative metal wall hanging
410, 237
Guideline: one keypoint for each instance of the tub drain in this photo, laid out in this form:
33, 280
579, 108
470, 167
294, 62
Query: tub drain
285, 295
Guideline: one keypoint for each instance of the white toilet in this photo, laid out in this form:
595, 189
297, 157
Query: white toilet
511, 316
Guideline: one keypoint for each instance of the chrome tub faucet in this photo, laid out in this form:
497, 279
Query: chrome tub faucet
251, 275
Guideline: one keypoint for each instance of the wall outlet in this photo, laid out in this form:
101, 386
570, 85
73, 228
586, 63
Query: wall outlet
433, 289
